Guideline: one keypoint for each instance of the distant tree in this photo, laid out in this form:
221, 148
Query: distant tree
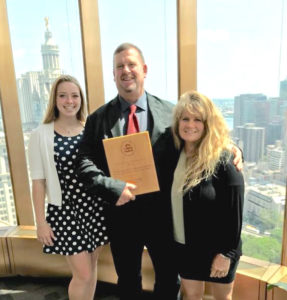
277, 234
265, 248
271, 219
268, 220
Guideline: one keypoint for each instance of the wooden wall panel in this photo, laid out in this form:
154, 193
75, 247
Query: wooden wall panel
91, 42
187, 45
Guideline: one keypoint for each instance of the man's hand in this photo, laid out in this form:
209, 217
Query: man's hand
127, 194
237, 161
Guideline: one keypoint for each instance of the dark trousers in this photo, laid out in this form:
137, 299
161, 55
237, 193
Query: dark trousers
131, 228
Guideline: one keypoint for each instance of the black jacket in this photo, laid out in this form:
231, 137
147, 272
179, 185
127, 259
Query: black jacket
212, 210
104, 123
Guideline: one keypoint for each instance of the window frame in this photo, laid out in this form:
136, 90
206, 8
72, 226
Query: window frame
187, 80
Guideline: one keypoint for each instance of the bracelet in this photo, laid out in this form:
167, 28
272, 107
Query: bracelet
223, 256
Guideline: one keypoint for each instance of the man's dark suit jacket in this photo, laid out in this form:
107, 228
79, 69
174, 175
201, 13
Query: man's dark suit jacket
104, 123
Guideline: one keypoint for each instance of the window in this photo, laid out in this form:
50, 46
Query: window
242, 66
151, 27
7, 206
46, 42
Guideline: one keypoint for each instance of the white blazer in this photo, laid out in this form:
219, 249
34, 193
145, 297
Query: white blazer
41, 161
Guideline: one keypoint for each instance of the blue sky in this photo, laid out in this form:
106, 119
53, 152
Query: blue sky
241, 46
27, 27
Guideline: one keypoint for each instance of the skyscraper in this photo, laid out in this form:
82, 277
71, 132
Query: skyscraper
283, 89
275, 156
252, 139
34, 87
250, 108
7, 207
273, 132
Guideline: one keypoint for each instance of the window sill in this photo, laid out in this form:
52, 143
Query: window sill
17, 239
267, 272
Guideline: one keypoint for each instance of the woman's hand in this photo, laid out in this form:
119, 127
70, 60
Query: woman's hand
45, 234
220, 266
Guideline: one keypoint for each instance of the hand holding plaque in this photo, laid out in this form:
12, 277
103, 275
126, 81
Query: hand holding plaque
130, 159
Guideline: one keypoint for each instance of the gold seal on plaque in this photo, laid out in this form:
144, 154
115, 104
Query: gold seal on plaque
128, 148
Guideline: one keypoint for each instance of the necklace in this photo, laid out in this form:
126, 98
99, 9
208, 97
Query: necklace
68, 130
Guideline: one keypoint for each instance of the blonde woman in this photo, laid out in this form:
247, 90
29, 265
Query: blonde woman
73, 225
206, 194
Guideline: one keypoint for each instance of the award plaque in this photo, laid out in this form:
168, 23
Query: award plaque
130, 159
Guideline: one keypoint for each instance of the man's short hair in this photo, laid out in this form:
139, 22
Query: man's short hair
126, 46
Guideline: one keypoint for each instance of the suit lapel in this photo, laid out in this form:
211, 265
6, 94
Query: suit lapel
156, 113
116, 131
114, 117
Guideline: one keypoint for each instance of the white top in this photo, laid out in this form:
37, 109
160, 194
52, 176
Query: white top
177, 199
41, 161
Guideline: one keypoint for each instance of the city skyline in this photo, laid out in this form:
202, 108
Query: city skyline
232, 41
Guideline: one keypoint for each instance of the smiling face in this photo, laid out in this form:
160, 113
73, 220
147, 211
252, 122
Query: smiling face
68, 99
129, 74
190, 128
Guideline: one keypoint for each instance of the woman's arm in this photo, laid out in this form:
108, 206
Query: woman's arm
44, 232
233, 191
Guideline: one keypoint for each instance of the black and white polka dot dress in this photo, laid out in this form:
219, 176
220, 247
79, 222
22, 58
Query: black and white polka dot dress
79, 224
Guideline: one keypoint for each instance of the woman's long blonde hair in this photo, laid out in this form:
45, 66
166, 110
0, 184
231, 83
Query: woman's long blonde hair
215, 140
52, 112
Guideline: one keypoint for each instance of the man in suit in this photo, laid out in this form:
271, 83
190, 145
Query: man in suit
133, 223
144, 221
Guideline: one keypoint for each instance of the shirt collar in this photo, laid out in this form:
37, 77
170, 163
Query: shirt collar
141, 103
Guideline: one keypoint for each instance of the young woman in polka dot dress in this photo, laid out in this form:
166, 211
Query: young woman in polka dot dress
74, 224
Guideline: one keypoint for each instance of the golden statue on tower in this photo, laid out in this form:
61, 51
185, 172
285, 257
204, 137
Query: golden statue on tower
46, 22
